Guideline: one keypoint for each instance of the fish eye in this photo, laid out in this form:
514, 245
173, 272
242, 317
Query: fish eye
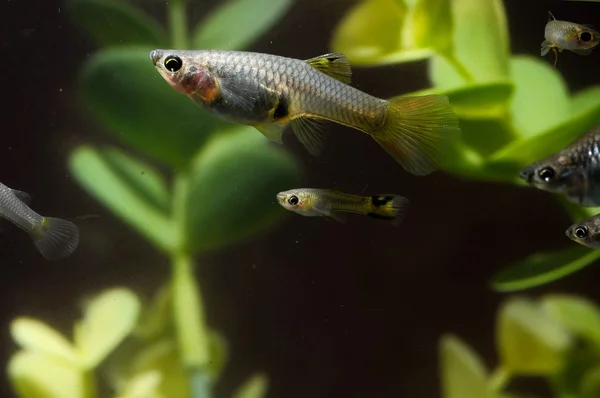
581, 232
546, 174
293, 200
173, 63
585, 36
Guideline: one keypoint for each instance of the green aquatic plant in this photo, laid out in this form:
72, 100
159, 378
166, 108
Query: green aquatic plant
555, 338
513, 109
187, 182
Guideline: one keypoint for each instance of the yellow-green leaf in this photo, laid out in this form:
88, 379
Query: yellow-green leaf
577, 314
108, 319
590, 383
143, 385
462, 371
372, 34
541, 99
481, 45
255, 387
529, 341
36, 336
38, 375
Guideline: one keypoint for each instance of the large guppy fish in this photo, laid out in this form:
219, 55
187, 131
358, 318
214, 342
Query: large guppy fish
53, 237
574, 171
269, 92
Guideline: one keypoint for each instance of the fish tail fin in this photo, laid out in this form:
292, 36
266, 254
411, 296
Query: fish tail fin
415, 131
389, 207
56, 238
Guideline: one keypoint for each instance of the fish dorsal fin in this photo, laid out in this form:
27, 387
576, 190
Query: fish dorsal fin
551, 17
334, 64
22, 196
308, 132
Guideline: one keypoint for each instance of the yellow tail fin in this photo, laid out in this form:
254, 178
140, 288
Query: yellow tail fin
416, 130
389, 207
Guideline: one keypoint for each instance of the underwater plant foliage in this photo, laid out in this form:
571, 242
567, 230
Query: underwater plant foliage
513, 109
554, 338
220, 192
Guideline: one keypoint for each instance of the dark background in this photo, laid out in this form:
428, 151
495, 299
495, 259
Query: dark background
325, 310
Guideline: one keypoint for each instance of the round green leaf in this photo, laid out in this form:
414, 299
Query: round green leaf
529, 341
237, 23
38, 375
143, 385
462, 371
584, 115
108, 319
255, 387
480, 43
542, 268
116, 23
134, 102
133, 191
162, 356
541, 100
372, 33
232, 188
578, 315
34, 335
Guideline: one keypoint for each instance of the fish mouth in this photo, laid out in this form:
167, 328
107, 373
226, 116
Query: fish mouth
280, 197
155, 56
526, 174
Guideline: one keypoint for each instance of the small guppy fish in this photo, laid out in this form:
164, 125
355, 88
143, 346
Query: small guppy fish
564, 35
53, 237
574, 171
269, 92
332, 203
586, 233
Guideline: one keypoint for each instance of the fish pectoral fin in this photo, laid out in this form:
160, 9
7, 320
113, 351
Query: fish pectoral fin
22, 196
272, 131
546, 47
334, 65
308, 132
239, 92
330, 215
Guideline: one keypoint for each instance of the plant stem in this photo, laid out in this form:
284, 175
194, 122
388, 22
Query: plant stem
188, 310
89, 384
459, 67
178, 24
499, 379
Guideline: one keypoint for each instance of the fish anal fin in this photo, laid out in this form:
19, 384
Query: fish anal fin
22, 196
309, 133
273, 131
334, 65
582, 51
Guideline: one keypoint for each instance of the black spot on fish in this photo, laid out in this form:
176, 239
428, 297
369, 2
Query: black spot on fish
282, 109
331, 59
378, 201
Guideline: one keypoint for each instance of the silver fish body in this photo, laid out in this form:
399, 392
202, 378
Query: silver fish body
574, 171
54, 238
270, 92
